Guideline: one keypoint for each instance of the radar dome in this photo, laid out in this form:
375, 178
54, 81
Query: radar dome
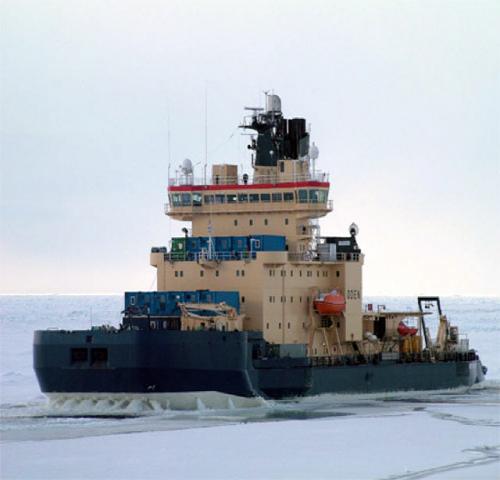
353, 229
273, 103
313, 151
187, 167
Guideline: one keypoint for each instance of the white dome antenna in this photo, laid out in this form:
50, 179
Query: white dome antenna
187, 167
313, 151
353, 229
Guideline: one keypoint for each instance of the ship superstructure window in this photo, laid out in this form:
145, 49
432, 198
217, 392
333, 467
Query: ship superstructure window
231, 198
202, 273
196, 199
314, 196
98, 357
277, 197
337, 273
235, 223
283, 273
265, 197
216, 273
254, 197
309, 273
265, 221
176, 199
186, 199
209, 199
79, 356
288, 197
250, 222
220, 198
286, 221
243, 299
303, 196
243, 198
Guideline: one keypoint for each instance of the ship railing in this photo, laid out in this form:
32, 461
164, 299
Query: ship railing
312, 256
188, 180
245, 206
207, 257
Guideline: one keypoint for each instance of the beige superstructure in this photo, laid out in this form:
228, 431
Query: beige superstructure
277, 289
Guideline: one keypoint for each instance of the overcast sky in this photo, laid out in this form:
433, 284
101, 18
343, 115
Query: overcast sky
403, 98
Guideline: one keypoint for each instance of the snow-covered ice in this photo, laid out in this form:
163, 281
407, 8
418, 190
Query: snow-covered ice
408, 435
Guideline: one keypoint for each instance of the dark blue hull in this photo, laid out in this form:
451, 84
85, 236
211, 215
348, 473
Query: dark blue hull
135, 361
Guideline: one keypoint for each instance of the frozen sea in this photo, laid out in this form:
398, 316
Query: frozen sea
452, 434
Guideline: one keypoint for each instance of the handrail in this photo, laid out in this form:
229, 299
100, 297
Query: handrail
204, 256
186, 180
313, 256
167, 207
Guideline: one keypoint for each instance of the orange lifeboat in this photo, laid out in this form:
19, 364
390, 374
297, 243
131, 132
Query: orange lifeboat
405, 330
332, 303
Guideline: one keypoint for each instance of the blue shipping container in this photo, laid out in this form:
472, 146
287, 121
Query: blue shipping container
239, 244
165, 303
268, 243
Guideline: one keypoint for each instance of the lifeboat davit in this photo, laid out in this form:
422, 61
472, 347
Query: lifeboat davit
405, 330
332, 303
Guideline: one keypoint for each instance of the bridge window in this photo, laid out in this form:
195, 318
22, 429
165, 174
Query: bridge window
288, 197
277, 197
265, 197
197, 199
208, 199
231, 198
186, 199
322, 196
254, 197
243, 197
220, 198
314, 196
176, 200
303, 196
